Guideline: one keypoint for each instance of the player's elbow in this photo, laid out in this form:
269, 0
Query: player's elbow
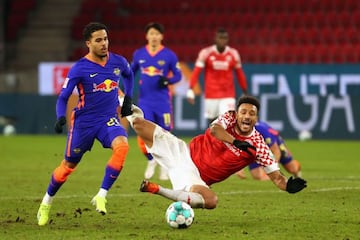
213, 129
216, 129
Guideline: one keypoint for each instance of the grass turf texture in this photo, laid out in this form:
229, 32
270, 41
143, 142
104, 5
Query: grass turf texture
327, 209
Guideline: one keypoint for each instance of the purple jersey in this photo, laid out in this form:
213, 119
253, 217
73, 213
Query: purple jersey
96, 115
271, 136
154, 100
98, 89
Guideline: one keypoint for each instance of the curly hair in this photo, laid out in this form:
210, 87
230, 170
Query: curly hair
248, 99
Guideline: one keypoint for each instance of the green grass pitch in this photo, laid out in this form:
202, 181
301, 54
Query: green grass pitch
329, 208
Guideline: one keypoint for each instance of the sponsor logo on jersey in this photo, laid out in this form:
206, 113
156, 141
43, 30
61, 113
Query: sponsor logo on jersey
117, 71
220, 65
152, 71
161, 62
106, 86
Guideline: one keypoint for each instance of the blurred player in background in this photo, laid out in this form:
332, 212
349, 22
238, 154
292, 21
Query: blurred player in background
227, 146
278, 147
96, 77
219, 62
154, 61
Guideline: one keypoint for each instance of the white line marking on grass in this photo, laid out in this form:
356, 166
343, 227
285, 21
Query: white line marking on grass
2, 198
275, 191
335, 189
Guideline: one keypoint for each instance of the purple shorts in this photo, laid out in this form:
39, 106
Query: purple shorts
80, 140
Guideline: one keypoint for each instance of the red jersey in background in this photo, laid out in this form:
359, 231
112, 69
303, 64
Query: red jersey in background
219, 67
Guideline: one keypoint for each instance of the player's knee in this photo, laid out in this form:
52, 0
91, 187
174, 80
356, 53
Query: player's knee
256, 177
293, 167
143, 128
211, 202
137, 125
297, 165
121, 148
71, 164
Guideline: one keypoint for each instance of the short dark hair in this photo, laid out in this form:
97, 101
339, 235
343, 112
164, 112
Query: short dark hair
155, 25
221, 30
92, 27
248, 99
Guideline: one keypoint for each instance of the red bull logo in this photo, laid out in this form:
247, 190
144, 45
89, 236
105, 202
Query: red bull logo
152, 71
106, 86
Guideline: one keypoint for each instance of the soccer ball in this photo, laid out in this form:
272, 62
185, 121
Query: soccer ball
305, 135
179, 215
9, 130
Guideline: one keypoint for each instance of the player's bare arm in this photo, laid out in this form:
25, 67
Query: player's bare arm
220, 133
291, 185
275, 149
278, 179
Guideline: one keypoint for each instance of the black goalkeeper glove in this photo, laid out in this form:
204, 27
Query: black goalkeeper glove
245, 146
163, 82
295, 185
126, 107
59, 124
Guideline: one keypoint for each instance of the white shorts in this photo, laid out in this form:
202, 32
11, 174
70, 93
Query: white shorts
215, 107
173, 154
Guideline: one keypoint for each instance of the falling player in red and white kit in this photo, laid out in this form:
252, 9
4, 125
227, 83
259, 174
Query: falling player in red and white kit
219, 62
227, 146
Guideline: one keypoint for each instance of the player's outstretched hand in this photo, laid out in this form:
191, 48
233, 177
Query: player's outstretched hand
59, 124
163, 82
126, 107
245, 146
295, 185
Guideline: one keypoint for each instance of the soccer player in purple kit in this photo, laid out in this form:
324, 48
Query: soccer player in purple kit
154, 61
96, 77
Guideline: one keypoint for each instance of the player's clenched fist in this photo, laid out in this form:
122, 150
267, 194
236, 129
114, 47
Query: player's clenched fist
163, 82
60, 122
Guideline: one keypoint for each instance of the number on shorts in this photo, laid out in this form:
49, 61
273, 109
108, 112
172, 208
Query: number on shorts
113, 122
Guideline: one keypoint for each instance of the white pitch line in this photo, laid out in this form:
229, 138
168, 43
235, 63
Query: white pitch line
6, 198
274, 191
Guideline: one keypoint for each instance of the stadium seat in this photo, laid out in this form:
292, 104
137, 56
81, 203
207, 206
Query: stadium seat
14, 24
78, 24
353, 36
90, 6
17, 17
20, 6
77, 53
326, 35
280, 31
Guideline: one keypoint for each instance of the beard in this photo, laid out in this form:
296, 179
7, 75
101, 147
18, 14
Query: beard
101, 55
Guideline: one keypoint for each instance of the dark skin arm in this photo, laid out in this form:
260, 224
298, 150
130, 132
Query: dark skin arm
220, 133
